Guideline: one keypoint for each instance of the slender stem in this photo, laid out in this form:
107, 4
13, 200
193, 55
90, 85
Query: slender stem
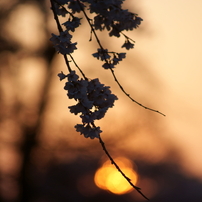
60, 30
127, 37
67, 63
118, 168
55, 16
92, 29
78, 67
128, 95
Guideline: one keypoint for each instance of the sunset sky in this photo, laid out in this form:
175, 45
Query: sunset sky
174, 51
162, 72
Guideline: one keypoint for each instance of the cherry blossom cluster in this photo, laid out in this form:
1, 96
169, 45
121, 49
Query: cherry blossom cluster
111, 16
93, 101
62, 43
110, 61
93, 98
105, 15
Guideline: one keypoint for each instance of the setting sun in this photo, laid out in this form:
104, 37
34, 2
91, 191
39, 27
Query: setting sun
109, 178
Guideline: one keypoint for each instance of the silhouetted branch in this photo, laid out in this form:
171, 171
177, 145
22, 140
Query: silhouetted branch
118, 168
112, 71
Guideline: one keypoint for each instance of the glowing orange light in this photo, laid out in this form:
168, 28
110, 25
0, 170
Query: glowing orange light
109, 178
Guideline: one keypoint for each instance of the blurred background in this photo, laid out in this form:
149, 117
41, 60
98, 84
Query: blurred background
43, 159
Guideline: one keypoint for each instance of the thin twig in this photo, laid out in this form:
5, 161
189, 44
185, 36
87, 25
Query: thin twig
60, 30
128, 95
118, 168
55, 16
127, 37
78, 67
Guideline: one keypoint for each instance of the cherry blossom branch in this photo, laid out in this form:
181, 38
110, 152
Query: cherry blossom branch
112, 71
60, 30
93, 98
55, 16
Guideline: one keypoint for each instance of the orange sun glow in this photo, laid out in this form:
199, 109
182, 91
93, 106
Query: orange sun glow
109, 178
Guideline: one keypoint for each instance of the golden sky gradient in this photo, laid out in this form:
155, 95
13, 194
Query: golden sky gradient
163, 72
174, 52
